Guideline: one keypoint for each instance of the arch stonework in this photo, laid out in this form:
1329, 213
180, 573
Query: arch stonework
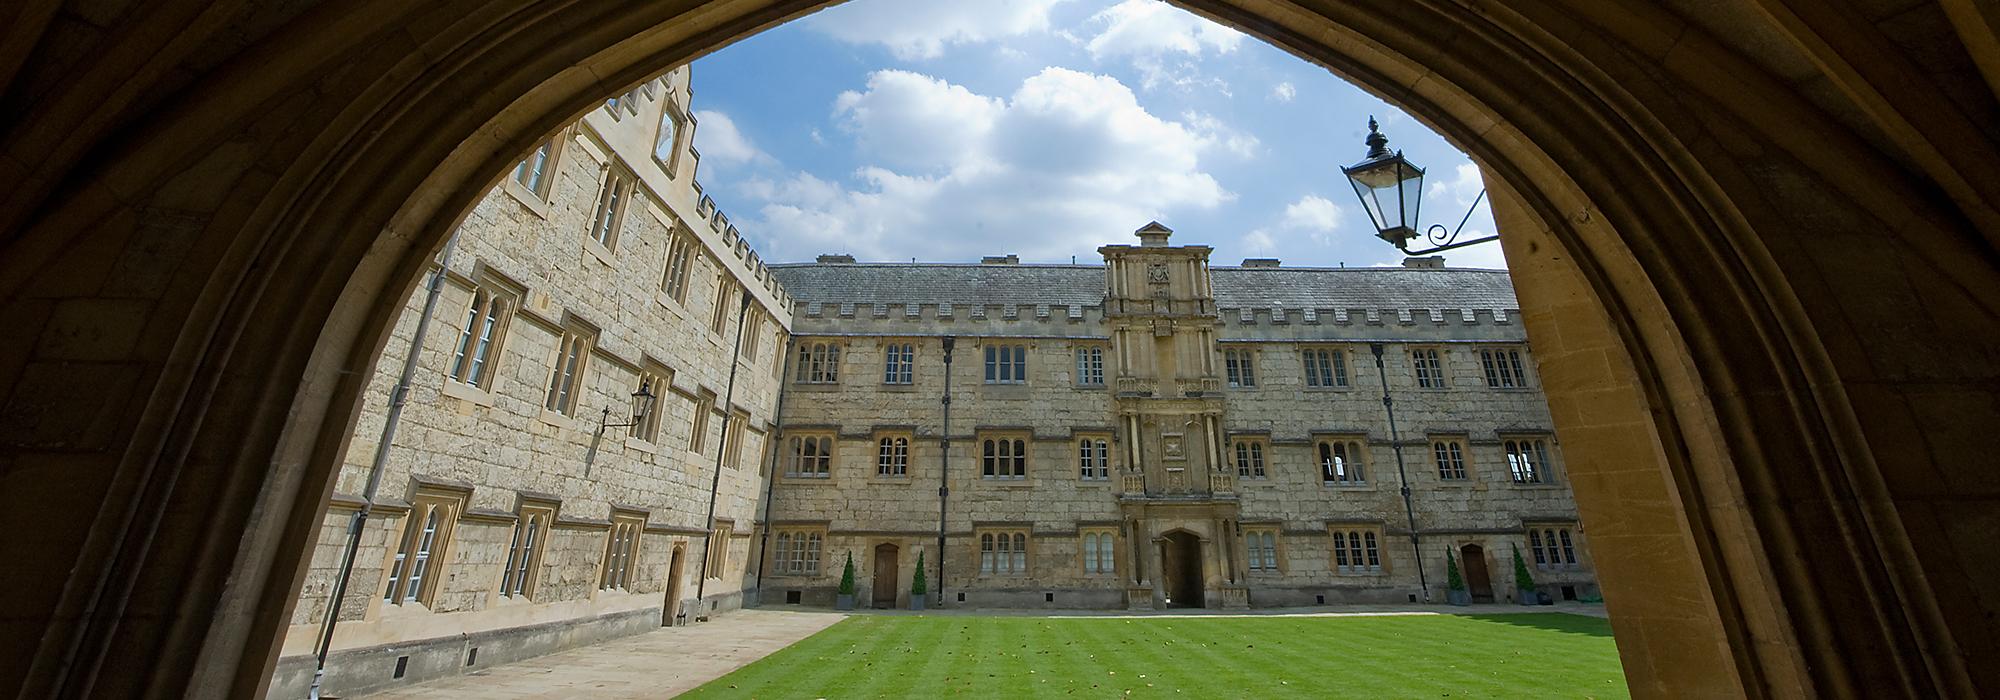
1754, 244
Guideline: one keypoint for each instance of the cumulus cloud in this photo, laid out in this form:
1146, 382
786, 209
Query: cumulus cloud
1312, 221
1151, 27
720, 141
921, 29
1447, 200
1312, 213
1284, 92
1162, 42
1067, 161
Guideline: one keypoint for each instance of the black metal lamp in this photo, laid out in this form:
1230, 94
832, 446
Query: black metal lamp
1391, 189
644, 396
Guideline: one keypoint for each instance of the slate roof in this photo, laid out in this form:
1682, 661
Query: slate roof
1083, 285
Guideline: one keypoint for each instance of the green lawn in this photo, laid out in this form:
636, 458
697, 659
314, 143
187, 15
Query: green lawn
1535, 655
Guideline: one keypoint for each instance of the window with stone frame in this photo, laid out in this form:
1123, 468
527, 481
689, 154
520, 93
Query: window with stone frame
1003, 456
1326, 367
818, 363
621, 550
1503, 367
424, 546
476, 356
1528, 460
681, 247
1090, 365
1249, 454
667, 142
809, 455
657, 380
1240, 367
1449, 454
718, 549
1260, 548
535, 175
899, 363
613, 199
1006, 364
1098, 547
1357, 550
725, 297
1554, 547
734, 430
1093, 457
704, 405
524, 549
797, 552
1343, 461
892, 455
566, 375
1428, 366
753, 332
1003, 552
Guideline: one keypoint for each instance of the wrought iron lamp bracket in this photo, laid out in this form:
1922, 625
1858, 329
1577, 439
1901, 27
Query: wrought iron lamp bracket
1443, 239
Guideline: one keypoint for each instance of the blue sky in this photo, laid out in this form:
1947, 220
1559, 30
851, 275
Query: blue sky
944, 131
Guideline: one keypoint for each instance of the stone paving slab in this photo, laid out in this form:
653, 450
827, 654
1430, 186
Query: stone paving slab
658, 664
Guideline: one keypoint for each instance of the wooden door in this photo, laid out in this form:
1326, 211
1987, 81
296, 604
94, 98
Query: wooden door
1477, 582
885, 575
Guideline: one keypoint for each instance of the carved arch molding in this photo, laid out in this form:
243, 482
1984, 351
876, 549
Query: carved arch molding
1754, 243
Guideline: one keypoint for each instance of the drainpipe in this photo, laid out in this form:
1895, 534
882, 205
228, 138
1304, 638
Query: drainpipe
398, 396
944, 464
771, 478
1396, 443
721, 451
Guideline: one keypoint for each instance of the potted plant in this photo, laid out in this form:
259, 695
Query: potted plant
918, 586
845, 601
1524, 584
1455, 592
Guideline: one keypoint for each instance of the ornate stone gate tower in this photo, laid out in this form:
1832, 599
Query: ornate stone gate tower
1177, 498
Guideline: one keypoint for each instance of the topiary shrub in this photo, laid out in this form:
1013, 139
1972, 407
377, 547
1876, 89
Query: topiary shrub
847, 574
1523, 581
918, 586
1452, 579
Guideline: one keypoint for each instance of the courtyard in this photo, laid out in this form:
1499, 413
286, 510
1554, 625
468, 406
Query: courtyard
1489, 652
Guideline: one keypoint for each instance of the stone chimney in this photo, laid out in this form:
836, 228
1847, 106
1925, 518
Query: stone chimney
836, 258
1000, 260
1153, 235
1260, 262
1435, 262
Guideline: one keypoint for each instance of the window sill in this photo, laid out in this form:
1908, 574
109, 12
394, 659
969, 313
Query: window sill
1011, 482
1326, 389
598, 250
1364, 486
1093, 482
661, 297
821, 387
642, 445
557, 419
805, 479
899, 387
528, 199
1089, 387
1534, 487
891, 480
468, 393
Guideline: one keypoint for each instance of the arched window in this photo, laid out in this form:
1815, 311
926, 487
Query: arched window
1356, 552
1250, 459
892, 456
986, 552
1527, 460
1093, 456
1340, 462
1003, 458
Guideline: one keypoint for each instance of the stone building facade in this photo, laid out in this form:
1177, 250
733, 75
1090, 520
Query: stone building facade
530, 501
1156, 432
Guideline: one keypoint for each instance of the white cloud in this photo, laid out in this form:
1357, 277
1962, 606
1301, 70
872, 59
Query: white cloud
1151, 27
1284, 92
1068, 161
920, 29
720, 141
1312, 213
1446, 201
1242, 144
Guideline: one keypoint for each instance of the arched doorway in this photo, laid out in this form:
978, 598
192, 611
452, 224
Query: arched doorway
884, 587
1478, 581
670, 613
1180, 569
1708, 235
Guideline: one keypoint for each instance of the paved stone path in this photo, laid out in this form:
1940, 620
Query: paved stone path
674, 660
658, 664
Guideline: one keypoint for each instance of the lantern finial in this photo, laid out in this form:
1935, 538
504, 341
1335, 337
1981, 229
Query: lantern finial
1378, 145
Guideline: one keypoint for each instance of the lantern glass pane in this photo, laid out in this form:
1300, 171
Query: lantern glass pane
1412, 195
1369, 202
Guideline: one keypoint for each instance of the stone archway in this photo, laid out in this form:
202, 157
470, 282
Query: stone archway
1754, 243
1182, 579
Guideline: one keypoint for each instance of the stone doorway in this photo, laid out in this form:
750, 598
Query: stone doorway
885, 575
669, 614
1478, 582
1180, 569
